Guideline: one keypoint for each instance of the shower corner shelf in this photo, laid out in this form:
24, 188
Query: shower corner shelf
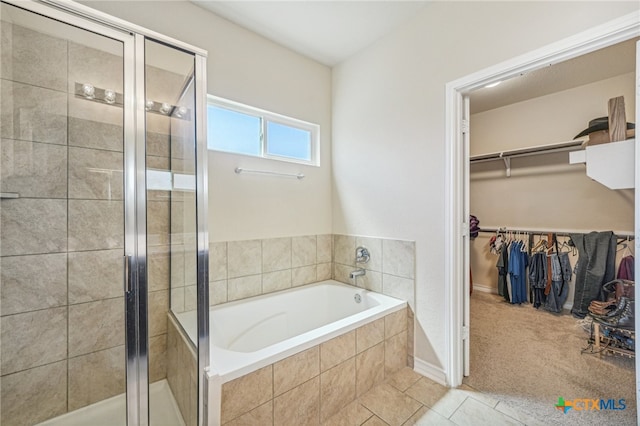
611, 164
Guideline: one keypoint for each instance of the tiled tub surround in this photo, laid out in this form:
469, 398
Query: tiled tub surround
313, 385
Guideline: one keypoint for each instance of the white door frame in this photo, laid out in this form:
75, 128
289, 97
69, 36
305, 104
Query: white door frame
456, 231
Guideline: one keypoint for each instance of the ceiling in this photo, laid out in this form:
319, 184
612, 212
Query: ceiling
601, 64
331, 31
327, 31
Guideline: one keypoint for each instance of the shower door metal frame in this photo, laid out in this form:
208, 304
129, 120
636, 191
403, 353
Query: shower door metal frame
134, 194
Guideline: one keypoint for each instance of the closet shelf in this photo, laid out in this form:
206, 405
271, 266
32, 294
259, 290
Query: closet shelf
611, 164
506, 156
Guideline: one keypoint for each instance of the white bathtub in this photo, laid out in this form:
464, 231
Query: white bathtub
249, 334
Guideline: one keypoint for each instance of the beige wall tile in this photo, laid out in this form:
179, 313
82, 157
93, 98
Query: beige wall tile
295, 370
31, 226
32, 57
276, 281
276, 254
158, 222
95, 134
244, 258
337, 350
217, 292
32, 339
303, 275
43, 117
395, 353
371, 281
33, 282
95, 275
190, 298
324, 248
369, 369
84, 234
401, 288
96, 325
337, 388
341, 273
176, 257
33, 169
245, 393
157, 358
374, 246
324, 271
398, 258
344, 250
177, 299
158, 307
95, 174
98, 67
395, 323
299, 406
96, 376
369, 335
217, 261
158, 144
303, 251
34, 395
243, 287
263, 415
159, 266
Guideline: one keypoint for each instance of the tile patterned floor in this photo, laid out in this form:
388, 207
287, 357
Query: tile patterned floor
407, 398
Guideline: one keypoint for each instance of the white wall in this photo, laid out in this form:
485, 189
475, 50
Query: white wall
388, 125
247, 68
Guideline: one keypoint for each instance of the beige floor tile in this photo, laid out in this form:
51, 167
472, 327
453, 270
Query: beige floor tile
353, 414
390, 404
427, 417
474, 413
263, 415
475, 394
404, 379
521, 417
439, 398
375, 421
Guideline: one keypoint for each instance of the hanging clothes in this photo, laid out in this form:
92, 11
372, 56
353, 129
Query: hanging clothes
595, 267
560, 277
626, 268
518, 261
503, 269
538, 278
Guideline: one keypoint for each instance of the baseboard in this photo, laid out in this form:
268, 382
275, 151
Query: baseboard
484, 288
430, 371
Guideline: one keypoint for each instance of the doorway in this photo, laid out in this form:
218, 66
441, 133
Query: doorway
98, 128
457, 128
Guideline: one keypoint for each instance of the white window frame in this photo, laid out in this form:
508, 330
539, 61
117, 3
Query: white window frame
268, 116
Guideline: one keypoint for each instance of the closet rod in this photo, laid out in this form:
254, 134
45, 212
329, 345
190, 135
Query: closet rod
624, 235
523, 152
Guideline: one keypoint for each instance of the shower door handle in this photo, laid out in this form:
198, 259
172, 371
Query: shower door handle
127, 275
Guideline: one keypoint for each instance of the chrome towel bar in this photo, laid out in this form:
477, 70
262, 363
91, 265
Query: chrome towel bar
298, 176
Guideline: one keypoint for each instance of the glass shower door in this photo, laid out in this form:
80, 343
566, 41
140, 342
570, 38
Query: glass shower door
63, 232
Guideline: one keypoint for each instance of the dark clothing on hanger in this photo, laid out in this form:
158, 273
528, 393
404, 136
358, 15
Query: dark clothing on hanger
595, 266
560, 277
626, 268
503, 269
538, 277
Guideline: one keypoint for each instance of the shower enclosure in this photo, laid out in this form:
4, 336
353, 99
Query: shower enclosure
102, 218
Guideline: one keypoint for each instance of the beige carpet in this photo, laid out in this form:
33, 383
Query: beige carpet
528, 358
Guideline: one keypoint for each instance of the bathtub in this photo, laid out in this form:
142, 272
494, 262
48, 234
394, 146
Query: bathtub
248, 334
261, 342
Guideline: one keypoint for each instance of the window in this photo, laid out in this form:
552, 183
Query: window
241, 129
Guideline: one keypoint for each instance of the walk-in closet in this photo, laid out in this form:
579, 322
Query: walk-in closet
552, 214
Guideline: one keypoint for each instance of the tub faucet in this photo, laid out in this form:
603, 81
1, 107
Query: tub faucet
357, 273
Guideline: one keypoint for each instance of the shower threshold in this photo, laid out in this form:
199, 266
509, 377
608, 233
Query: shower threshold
112, 411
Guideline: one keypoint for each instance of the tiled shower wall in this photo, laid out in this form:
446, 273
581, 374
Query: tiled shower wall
62, 310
